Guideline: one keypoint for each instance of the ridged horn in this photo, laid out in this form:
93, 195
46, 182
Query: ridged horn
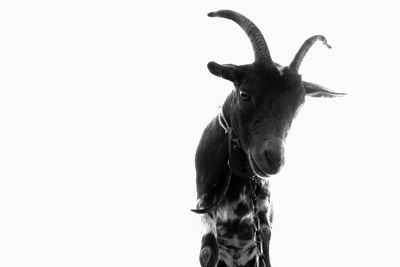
261, 52
296, 62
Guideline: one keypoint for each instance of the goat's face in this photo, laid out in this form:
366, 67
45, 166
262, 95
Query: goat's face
265, 104
265, 100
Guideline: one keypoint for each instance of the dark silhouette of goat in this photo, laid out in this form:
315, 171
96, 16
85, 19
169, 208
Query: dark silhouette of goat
243, 146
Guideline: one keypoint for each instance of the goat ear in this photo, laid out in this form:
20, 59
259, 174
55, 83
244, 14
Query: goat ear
316, 90
226, 71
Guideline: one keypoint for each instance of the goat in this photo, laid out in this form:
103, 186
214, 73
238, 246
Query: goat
243, 146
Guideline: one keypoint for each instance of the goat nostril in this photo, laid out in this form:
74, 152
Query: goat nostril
273, 159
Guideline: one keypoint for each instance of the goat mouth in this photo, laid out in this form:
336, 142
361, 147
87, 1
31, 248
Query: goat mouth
256, 169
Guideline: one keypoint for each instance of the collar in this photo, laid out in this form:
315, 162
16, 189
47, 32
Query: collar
238, 161
224, 123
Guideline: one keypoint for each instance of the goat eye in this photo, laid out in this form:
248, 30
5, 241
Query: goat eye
244, 96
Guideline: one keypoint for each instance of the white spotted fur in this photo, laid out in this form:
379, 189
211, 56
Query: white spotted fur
226, 212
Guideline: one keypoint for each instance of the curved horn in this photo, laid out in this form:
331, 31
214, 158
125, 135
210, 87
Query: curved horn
261, 52
295, 64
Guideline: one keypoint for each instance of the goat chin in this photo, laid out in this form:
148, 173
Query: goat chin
262, 177
257, 170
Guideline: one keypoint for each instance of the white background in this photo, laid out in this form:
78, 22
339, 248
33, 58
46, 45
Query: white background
102, 104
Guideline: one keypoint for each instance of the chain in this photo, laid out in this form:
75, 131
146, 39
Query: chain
253, 184
256, 224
